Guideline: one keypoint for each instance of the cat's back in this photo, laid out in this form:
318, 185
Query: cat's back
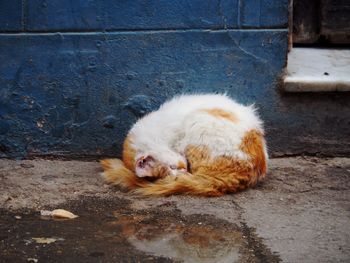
192, 102
217, 122
175, 110
185, 105
204, 111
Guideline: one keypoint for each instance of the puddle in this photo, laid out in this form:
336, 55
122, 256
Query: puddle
188, 240
110, 231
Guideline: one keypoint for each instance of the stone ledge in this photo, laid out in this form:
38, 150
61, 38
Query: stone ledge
317, 70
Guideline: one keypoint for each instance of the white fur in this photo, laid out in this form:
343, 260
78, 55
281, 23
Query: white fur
165, 133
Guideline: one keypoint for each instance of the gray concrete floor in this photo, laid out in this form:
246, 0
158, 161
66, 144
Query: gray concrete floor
301, 213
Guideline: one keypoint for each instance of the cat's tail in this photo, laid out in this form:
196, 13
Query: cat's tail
116, 173
201, 183
187, 184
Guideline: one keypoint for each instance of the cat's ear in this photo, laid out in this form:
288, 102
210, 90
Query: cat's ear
144, 166
145, 161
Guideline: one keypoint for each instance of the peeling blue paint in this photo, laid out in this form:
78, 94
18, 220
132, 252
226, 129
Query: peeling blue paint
109, 121
263, 14
108, 15
11, 15
139, 105
61, 106
75, 75
138, 14
4, 127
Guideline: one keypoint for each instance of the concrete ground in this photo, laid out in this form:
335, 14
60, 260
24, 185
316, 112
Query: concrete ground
301, 213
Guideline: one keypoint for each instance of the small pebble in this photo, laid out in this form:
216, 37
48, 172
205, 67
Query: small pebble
58, 213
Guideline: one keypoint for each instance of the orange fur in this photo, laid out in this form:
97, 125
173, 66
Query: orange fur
116, 173
181, 165
159, 171
106, 164
129, 153
209, 176
219, 113
253, 145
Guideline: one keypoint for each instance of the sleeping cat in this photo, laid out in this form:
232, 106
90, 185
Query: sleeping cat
206, 145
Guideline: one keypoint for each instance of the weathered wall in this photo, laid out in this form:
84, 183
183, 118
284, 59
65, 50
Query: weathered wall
74, 75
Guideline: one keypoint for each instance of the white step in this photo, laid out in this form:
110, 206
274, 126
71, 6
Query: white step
317, 70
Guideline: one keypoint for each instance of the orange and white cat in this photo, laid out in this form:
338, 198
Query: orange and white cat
206, 145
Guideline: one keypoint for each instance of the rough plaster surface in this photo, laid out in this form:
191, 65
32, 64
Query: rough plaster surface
299, 214
108, 15
74, 94
76, 74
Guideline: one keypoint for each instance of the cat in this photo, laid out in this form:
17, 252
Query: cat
204, 145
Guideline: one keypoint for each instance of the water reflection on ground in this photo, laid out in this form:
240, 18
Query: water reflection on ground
189, 243
112, 231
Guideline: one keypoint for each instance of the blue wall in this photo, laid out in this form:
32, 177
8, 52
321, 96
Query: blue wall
75, 75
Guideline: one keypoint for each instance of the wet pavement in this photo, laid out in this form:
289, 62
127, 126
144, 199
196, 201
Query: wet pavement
111, 231
299, 214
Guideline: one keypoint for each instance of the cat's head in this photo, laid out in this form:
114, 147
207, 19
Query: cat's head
150, 165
